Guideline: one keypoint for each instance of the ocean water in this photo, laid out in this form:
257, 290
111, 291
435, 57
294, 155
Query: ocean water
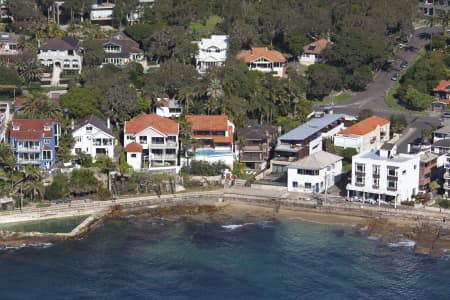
137, 258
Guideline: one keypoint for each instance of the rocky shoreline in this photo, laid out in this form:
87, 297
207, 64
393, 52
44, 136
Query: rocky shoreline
428, 237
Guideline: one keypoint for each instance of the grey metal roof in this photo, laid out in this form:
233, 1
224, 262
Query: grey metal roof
61, 43
311, 127
316, 161
442, 143
96, 121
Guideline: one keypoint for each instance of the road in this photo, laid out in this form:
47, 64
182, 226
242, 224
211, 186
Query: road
374, 96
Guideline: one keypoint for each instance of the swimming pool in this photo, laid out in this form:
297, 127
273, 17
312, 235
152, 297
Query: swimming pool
210, 152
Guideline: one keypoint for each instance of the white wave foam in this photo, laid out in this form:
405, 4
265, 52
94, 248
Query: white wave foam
235, 226
374, 237
405, 243
39, 245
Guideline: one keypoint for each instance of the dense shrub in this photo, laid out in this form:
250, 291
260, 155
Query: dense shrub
58, 189
203, 168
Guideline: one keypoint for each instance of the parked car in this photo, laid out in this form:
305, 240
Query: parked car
404, 65
395, 77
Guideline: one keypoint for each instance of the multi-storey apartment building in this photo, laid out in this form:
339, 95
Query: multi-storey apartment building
34, 141
151, 141
384, 174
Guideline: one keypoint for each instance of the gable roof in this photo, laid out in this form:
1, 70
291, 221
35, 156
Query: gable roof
133, 147
257, 52
127, 44
316, 47
31, 129
95, 121
443, 85
365, 126
311, 127
61, 43
317, 160
208, 122
143, 121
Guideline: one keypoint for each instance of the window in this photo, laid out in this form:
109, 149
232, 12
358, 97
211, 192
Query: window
133, 155
392, 171
47, 128
158, 140
361, 168
404, 172
142, 140
392, 185
78, 139
47, 155
88, 129
376, 183
77, 150
307, 185
16, 127
307, 172
294, 184
375, 170
46, 141
360, 180
131, 138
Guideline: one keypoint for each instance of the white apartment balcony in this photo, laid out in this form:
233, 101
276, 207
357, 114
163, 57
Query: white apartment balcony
164, 157
164, 145
446, 186
447, 175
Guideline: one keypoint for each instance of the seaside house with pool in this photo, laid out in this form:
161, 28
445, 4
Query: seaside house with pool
384, 175
34, 141
151, 141
215, 136
305, 140
315, 173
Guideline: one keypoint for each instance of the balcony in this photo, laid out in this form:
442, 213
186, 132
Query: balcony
446, 186
359, 184
164, 157
392, 188
28, 149
375, 186
447, 175
376, 175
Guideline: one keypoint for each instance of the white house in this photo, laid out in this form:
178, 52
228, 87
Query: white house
120, 50
384, 175
264, 60
138, 12
151, 141
168, 108
8, 43
364, 135
62, 52
314, 173
93, 136
102, 13
212, 52
312, 53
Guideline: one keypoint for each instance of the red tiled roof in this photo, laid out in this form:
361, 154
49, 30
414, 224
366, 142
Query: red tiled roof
133, 147
19, 101
31, 129
444, 85
143, 121
208, 123
257, 52
316, 47
365, 126
47, 147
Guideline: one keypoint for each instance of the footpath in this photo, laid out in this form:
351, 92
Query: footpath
253, 196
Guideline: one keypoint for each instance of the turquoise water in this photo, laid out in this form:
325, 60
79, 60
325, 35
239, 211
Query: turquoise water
208, 152
57, 225
161, 259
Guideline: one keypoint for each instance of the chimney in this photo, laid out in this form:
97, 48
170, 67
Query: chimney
108, 123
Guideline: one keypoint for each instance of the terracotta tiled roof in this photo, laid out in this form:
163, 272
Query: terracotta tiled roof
256, 52
133, 147
444, 85
143, 121
47, 147
208, 123
365, 126
316, 47
31, 129
19, 101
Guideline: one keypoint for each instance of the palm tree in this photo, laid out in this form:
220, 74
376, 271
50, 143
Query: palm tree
30, 70
32, 182
8, 161
186, 95
41, 109
214, 93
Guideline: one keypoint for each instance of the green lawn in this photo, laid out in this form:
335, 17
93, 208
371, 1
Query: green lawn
337, 98
209, 26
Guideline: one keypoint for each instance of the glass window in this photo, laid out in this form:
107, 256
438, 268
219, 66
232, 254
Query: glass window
307, 185
294, 184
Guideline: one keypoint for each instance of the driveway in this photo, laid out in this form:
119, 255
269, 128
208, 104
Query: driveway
374, 96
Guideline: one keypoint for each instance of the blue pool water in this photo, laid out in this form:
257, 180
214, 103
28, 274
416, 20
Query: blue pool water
138, 258
208, 152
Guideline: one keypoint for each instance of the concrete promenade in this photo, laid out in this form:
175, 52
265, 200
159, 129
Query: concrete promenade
263, 197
